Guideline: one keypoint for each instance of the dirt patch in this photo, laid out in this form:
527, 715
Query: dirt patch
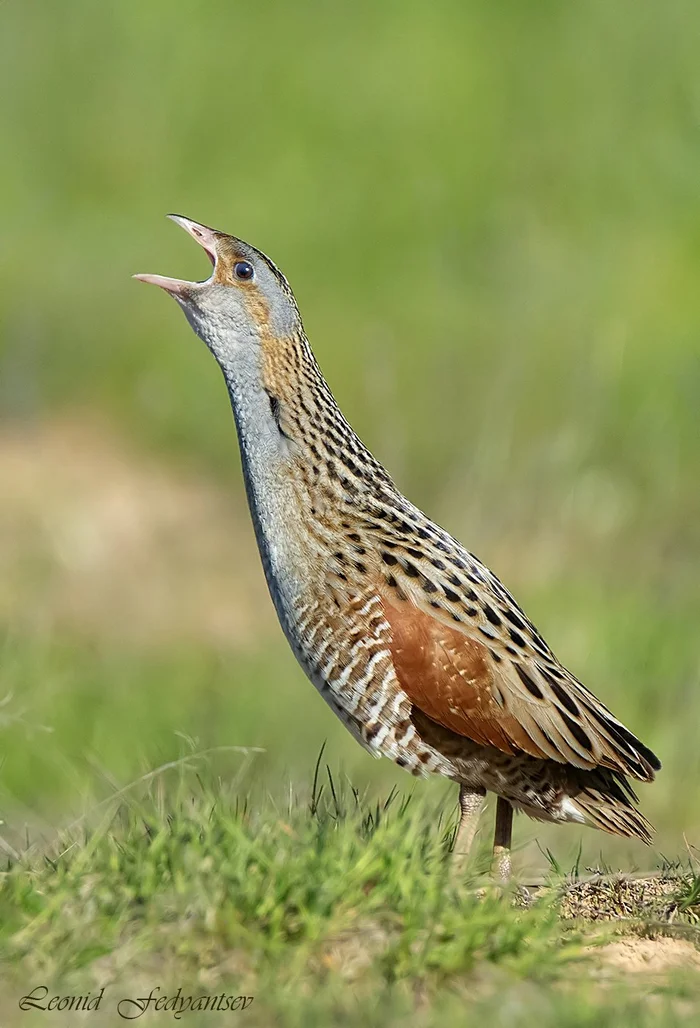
649, 956
97, 539
657, 912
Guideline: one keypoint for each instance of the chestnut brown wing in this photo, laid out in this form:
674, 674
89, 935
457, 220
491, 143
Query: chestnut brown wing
516, 706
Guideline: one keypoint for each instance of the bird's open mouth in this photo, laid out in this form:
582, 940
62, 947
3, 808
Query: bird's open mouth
205, 236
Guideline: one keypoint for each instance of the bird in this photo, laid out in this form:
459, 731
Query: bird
410, 639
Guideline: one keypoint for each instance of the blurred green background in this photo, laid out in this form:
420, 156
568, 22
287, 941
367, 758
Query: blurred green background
490, 214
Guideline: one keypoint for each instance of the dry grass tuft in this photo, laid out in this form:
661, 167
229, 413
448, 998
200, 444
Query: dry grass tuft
656, 902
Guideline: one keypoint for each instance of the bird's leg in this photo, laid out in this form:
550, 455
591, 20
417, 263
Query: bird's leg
471, 802
502, 839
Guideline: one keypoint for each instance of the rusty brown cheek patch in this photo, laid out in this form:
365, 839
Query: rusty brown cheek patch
228, 254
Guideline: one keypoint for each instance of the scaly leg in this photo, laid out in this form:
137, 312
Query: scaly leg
502, 839
471, 802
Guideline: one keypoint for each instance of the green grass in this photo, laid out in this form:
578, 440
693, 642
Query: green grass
276, 884
323, 903
491, 217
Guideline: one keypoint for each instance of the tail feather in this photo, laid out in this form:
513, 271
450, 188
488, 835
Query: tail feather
606, 800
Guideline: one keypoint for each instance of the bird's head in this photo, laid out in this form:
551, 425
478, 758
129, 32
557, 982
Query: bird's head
245, 301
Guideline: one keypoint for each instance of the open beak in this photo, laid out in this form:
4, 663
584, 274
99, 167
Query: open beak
206, 237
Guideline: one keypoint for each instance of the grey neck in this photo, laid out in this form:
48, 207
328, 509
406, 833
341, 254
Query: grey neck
273, 502
266, 455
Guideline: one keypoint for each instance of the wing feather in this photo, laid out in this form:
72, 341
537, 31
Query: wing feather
466, 676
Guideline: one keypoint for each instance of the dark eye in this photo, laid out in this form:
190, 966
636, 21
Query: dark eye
244, 270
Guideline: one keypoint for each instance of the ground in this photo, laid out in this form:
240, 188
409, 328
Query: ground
331, 909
